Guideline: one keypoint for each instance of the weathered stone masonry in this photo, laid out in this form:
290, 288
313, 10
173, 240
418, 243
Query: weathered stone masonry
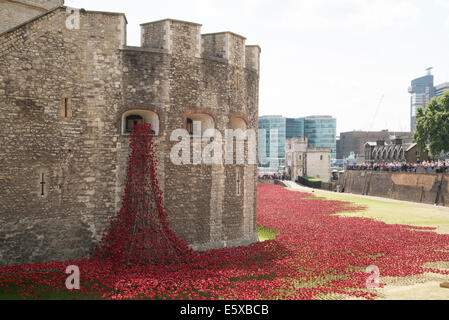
15, 12
64, 95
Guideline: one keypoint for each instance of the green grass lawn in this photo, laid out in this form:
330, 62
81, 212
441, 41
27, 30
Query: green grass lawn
266, 233
395, 212
47, 295
312, 179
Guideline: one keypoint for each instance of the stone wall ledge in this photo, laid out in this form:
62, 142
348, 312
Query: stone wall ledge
140, 49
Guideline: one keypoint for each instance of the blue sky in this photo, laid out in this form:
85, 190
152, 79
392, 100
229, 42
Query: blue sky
322, 57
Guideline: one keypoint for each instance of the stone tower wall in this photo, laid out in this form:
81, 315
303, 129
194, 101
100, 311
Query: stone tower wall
178, 72
13, 13
41, 63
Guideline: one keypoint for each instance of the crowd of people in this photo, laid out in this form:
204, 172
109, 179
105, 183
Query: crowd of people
419, 167
276, 176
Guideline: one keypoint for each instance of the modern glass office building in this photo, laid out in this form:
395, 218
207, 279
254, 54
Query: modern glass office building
441, 89
421, 90
321, 132
294, 127
272, 137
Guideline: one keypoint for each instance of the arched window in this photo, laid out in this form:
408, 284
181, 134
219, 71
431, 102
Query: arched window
238, 123
398, 153
380, 154
133, 117
131, 121
239, 126
205, 120
189, 126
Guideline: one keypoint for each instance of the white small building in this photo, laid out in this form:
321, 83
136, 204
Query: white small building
305, 161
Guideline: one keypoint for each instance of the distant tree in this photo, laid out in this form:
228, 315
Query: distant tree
432, 126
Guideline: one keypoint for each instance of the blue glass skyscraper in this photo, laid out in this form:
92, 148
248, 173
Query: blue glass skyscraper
294, 128
422, 90
321, 132
272, 137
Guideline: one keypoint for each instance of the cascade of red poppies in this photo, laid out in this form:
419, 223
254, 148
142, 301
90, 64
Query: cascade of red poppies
140, 235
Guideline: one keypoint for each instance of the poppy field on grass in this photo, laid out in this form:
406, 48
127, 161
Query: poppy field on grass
315, 253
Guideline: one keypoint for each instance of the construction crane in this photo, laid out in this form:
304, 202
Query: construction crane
377, 111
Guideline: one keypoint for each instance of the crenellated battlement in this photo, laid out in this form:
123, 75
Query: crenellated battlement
185, 39
172, 35
253, 57
225, 45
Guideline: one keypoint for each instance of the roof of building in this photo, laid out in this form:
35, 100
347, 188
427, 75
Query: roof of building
410, 146
404, 146
444, 85
172, 20
319, 149
224, 32
319, 117
271, 117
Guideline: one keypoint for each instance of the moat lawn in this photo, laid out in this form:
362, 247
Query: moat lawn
394, 212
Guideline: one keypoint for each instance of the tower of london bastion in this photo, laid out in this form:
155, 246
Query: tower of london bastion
70, 90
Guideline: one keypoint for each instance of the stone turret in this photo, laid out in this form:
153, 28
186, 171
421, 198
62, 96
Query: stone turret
184, 38
173, 36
